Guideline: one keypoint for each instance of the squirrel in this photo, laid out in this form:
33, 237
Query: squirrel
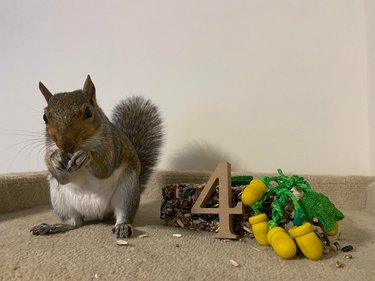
98, 168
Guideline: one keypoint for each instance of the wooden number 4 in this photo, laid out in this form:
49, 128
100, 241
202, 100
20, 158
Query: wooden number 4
222, 177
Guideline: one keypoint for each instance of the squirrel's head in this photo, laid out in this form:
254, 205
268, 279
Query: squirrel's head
71, 118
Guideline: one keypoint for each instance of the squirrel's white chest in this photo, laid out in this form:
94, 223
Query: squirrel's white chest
86, 194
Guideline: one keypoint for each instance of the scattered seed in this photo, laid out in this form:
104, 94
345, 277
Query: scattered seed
339, 264
177, 193
256, 249
177, 245
177, 235
96, 276
325, 251
247, 229
348, 256
347, 248
143, 235
234, 263
122, 243
227, 240
180, 223
337, 245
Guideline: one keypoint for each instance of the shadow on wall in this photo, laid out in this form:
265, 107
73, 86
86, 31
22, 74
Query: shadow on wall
201, 156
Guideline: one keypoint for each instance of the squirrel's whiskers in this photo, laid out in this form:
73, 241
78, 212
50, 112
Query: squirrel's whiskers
30, 137
28, 142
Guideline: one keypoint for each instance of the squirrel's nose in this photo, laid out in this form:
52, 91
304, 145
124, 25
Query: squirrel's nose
67, 147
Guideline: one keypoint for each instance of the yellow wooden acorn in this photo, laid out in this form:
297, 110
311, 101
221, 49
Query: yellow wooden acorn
308, 242
253, 192
283, 245
259, 225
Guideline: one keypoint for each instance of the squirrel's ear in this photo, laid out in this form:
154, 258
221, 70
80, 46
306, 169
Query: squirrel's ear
46, 93
89, 88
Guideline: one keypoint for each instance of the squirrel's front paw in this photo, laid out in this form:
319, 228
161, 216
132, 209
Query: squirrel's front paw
59, 160
122, 230
78, 160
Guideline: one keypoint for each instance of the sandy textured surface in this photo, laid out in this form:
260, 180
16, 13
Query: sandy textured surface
91, 253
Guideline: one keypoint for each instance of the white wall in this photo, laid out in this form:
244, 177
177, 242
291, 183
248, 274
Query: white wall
264, 84
370, 25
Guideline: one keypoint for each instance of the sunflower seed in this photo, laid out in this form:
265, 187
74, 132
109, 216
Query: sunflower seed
347, 248
122, 243
143, 235
177, 235
234, 263
180, 223
339, 264
247, 229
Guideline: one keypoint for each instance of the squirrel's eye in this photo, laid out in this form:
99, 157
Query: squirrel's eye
45, 119
87, 112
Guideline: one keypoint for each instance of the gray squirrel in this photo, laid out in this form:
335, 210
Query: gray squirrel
97, 167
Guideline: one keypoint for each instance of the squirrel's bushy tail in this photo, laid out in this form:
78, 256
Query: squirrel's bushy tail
140, 120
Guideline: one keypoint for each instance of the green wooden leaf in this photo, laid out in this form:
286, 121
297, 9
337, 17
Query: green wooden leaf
317, 205
241, 180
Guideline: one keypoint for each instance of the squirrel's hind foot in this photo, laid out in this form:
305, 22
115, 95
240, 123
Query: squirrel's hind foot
45, 229
122, 230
